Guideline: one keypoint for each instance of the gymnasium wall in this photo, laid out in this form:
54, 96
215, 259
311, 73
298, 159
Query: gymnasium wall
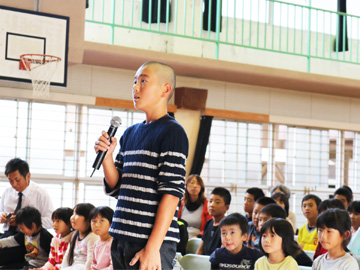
86, 82
283, 106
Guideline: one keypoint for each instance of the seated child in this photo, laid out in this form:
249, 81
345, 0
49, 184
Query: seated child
101, 218
270, 211
334, 227
234, 254
253, 235
351, 192
324, 205
60, 242
33, 237
219, 203
330, 203
354, 211
344, 195
251, 196
276, 211
278, 245
282, 200
284, 189
308, 237
79, 254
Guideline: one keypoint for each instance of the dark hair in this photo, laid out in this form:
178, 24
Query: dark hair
265, 201
282, 228
256, 192
274, 210
27, 216
201, 198
354, 207
236, 219
17, 164
344, 192
104, 211
284, 189
81, 209
337, 219
284, 199
224, 193
64, 214
330, 203
311, 197
348, 188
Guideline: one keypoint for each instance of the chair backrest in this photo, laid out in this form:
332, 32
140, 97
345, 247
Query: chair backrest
178, 256
195, 262
301, 267
193, 245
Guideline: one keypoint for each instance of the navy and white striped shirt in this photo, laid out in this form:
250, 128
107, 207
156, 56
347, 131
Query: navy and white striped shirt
151, 162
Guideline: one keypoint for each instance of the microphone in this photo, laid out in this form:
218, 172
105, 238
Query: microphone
114, 124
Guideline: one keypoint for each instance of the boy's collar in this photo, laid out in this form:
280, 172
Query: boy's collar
154, 120
310, 229
312, 223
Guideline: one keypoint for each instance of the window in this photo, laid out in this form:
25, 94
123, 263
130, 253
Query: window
57, 141
240, 152
234, 152
242, 155
248, 10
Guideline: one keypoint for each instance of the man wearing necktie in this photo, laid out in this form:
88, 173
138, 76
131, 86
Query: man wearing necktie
11, 218
21, 193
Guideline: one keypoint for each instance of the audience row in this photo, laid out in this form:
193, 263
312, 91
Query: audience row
328, 235
261, 239
81, 240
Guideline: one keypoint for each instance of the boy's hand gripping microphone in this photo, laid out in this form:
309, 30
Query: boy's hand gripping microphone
114, 124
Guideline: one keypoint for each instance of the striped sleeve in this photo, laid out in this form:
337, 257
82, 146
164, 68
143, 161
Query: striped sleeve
172, 160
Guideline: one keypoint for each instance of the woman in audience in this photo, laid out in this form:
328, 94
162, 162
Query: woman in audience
284, 189
354, 211
193, 207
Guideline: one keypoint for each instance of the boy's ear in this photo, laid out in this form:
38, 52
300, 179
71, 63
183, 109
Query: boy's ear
166, 89
227, 207
244, 237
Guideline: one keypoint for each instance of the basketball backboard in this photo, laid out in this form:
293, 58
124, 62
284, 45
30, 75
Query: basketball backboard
30, 32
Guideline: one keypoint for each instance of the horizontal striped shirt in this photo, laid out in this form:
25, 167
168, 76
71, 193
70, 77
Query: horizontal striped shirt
151, 162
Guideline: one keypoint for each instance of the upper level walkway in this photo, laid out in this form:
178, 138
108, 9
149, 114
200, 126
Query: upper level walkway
258, 42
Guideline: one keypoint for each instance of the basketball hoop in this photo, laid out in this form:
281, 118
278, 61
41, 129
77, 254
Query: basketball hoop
41, 68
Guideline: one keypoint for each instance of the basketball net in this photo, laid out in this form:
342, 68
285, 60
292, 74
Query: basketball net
41, 69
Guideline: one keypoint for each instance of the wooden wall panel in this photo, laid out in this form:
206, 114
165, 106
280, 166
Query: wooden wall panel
125, 104
236, 115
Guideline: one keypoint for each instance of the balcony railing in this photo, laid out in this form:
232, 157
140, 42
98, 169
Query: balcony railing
267, 25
